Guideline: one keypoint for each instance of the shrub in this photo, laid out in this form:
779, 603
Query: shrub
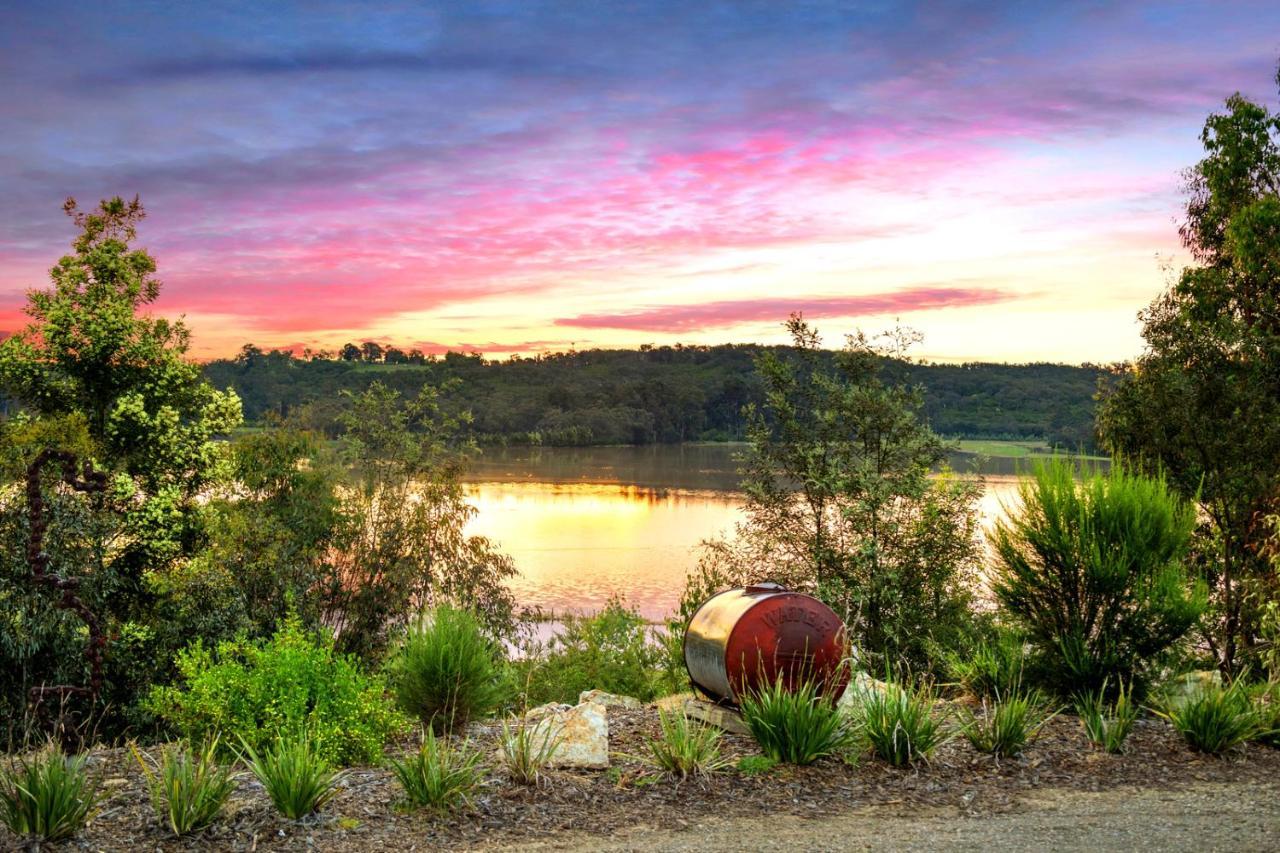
188, 789
1095, 574
1007, 725
993, 668
527, 749
439, 776
48, 796
797, 726
900, 724
445, 671
1214, 719
685, 748
295, 774
290, 682
1107, 724
614, 650
1266, 704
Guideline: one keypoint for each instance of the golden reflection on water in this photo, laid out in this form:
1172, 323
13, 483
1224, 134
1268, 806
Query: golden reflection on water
576, 544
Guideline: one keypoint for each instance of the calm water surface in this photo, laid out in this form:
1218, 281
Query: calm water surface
586, 523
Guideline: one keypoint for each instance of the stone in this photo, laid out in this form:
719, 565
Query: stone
583, 731
1185, 686
860, 685
717, 715
609, 700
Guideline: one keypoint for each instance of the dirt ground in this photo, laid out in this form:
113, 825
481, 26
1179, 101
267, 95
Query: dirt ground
1226, 817
1059, 794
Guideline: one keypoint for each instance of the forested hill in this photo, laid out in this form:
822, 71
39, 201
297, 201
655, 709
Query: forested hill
658, 394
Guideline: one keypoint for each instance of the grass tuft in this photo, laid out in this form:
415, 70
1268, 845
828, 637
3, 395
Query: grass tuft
439, 776
296, 776
1007, 725
686, 748
1107, 724
1214, 719
796, 726
900, 724
188, 789
49, 796
527, 750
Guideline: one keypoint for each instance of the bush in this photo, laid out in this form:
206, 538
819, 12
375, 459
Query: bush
1266, 705
445, 671
685, 748
1107, 724
49, 796
188, 789
439, 776
1095, 574
614, 650
1214, 719
900, 724
295, 774
293, 681
1007, 725
527, 749
797, 726
993, 668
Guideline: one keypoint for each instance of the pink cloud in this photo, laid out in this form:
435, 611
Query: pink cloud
688, 318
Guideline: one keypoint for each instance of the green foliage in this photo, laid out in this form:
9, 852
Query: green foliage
1107, 723
1007, 724
685, 748
756, 765
993, 668
48, 796
439, 776
1202, 404
1266, 706
840, 502
614, 651
403, 545
796, 726
445, 672
1214, 719
1095, 573
527, 750
294, 774
252, 690
188, 788
899, 723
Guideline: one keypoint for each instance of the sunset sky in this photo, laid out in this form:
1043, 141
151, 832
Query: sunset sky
527, 176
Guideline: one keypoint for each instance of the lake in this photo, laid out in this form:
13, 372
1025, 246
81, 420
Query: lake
583, 524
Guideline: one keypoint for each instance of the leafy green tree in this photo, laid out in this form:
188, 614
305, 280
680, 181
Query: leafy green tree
402, 546
100, 379
1096, 573
1202, 403
840, 501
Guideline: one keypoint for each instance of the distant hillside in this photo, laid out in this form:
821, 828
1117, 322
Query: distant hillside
653, 395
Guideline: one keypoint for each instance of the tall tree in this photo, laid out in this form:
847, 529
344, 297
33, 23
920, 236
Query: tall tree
1202, 402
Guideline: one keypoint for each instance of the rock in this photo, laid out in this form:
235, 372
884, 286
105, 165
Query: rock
583, 731
609, 700
717, 715
859, 686
673, 703
1184, 687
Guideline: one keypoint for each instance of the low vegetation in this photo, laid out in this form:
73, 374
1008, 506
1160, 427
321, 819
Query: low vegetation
1214, 718
797, 725
1107, 723
187, 785
48, 796
439, 775
685, 748
527, 750
294, 773
901, 724
1007, 724
994, 667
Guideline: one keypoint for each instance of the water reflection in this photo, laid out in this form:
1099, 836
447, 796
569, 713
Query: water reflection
586, 523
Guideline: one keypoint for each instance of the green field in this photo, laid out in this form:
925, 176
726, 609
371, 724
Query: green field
1012, 449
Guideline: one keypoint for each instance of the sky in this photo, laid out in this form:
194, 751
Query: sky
520, 177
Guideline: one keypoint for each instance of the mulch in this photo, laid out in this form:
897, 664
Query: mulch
366, 815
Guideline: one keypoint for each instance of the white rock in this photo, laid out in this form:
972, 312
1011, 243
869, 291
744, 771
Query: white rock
583, 731
860, 685
609, 700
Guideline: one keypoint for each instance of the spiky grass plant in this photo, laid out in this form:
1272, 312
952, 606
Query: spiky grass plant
1107, 724
1007, 725
296, 776
188, 787
1214, 719
685, 748
901, 724
527, 750
797, 726
48, 796
439, 776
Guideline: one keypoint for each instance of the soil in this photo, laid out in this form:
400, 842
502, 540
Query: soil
1058, 794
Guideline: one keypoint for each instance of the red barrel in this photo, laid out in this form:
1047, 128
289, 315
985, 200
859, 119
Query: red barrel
744, 637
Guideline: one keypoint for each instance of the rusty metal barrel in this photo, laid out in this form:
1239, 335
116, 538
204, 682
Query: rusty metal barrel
749, 636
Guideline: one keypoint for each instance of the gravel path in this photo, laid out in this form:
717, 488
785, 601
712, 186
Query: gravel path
1231, 817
